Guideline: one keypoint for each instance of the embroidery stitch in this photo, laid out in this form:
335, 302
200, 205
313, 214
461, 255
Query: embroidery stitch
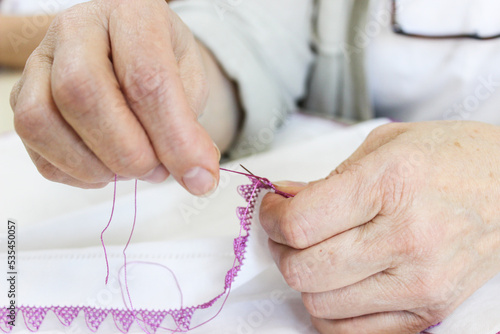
34, 316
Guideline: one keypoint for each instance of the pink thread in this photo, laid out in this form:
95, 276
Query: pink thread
104, 230
162, 266
125, 261
123, 318
265, 182
257, 183
128, 242
34, 316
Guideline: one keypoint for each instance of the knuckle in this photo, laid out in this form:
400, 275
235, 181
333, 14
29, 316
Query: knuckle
345, 166
293, 227
132, 163
48, 171
145, 82
60, 21
383, 131
413, 323
93, 173
14, 94
29, 121
397, 192
315, 305
33, 104
430, 319
432, 292
291, 271
65, 21
180, 138
63, 24
437, 296
405, 244
74, 86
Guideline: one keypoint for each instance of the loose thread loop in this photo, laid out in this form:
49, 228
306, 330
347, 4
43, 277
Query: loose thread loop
183, 315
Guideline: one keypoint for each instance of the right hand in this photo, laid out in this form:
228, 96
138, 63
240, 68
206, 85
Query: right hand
116, 87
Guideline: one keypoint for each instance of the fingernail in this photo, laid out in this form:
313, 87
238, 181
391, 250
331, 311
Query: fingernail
288, 184
199, 181
158, 175
218, 151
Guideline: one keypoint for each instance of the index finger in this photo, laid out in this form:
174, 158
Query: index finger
321, 210
88, 96
148, 70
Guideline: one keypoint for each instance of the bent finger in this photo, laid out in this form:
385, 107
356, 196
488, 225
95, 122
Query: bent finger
52, 173
148, 70
89, 98
42, 128
324, 209
335, 264
382, 323
379, 293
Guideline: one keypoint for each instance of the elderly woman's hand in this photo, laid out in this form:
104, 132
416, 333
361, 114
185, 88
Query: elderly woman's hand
116, 88
397, 236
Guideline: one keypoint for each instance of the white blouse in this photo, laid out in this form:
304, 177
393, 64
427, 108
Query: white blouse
415, 79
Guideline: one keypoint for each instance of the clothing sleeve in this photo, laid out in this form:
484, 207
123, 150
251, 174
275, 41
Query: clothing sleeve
264, 47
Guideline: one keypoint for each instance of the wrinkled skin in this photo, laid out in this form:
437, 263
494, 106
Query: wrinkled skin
116, 87
399, 235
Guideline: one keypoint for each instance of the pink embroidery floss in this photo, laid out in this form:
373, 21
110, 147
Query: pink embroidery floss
104, 230
265, 182
182, 316
149, 320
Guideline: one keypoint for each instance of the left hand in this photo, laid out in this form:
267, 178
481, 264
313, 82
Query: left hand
399, 235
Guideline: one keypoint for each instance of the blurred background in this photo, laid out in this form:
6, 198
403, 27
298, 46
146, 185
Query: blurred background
23, 24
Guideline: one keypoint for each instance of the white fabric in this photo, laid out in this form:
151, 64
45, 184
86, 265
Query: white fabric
415, 79
61, 261
36, 7
449, 16
410, 79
